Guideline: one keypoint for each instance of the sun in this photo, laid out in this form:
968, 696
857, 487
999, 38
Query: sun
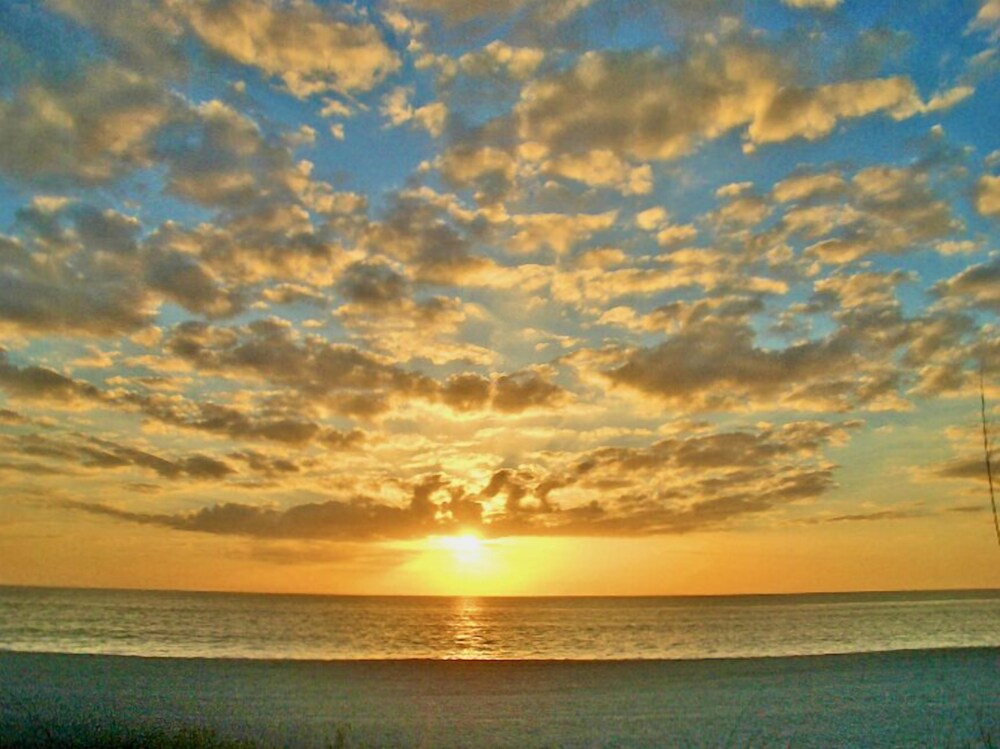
466, 549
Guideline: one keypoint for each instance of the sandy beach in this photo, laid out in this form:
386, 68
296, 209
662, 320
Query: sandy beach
915, 698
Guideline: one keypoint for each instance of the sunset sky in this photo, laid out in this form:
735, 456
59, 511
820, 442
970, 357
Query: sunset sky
498, 296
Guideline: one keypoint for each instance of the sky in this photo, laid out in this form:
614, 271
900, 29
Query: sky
498, 296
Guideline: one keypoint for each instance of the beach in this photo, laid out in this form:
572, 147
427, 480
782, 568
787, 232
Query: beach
903, 699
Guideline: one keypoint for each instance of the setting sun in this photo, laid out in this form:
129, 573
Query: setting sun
467, 549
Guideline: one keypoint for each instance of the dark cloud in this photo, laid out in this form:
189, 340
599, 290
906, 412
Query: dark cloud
716, 365
513, 393
373, 285
518, 392
967, 468
351, 380
975, 286
266, 464
350, 520
312, 366
32, 468
102, 455
75, 274
877, 515
467, 392
673, 486
42, 383
184, 279
226, 420
104, 123
436, 248
140, 33
11, 417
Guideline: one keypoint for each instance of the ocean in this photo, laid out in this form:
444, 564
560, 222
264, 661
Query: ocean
334, 628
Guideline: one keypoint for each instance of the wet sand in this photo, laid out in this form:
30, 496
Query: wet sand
945, 698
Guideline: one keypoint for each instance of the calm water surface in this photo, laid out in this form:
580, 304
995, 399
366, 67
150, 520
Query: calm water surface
227, 625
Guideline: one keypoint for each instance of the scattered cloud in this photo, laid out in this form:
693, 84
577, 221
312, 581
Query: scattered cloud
651, 106
506, 267
821, 4
988, 195
91, 127
299, 43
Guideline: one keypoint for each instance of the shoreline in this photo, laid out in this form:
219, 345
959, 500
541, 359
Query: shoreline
940, 697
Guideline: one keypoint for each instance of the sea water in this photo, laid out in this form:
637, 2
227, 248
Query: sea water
237, 625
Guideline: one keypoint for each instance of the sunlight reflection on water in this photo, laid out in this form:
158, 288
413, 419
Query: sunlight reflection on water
321, 627
468, 633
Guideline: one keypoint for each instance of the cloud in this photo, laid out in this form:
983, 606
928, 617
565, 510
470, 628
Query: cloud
511, 394
75, 291
891, 210
265, 464
558, 232
300, 43
398, 110
314, 367
962, 468
83, 270
491, 171
344, 377
875, 515
406, 329
860, 289
235, 423
650, 106
434, 244
976, 286
356, 519
142, 34
459, 11
820, 4
988, 17
332, 520
104, 455
41, 383
212, 161
988, 195
715, 365
498, 58
651, 218
586, 302
812, 113
702, 482
675, 234
46, 386
808, 185
380, 307
103, 274
679, 269
185, 280
90, 128
602, 168
11, 417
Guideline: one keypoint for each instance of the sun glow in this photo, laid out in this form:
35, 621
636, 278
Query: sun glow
467, 549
